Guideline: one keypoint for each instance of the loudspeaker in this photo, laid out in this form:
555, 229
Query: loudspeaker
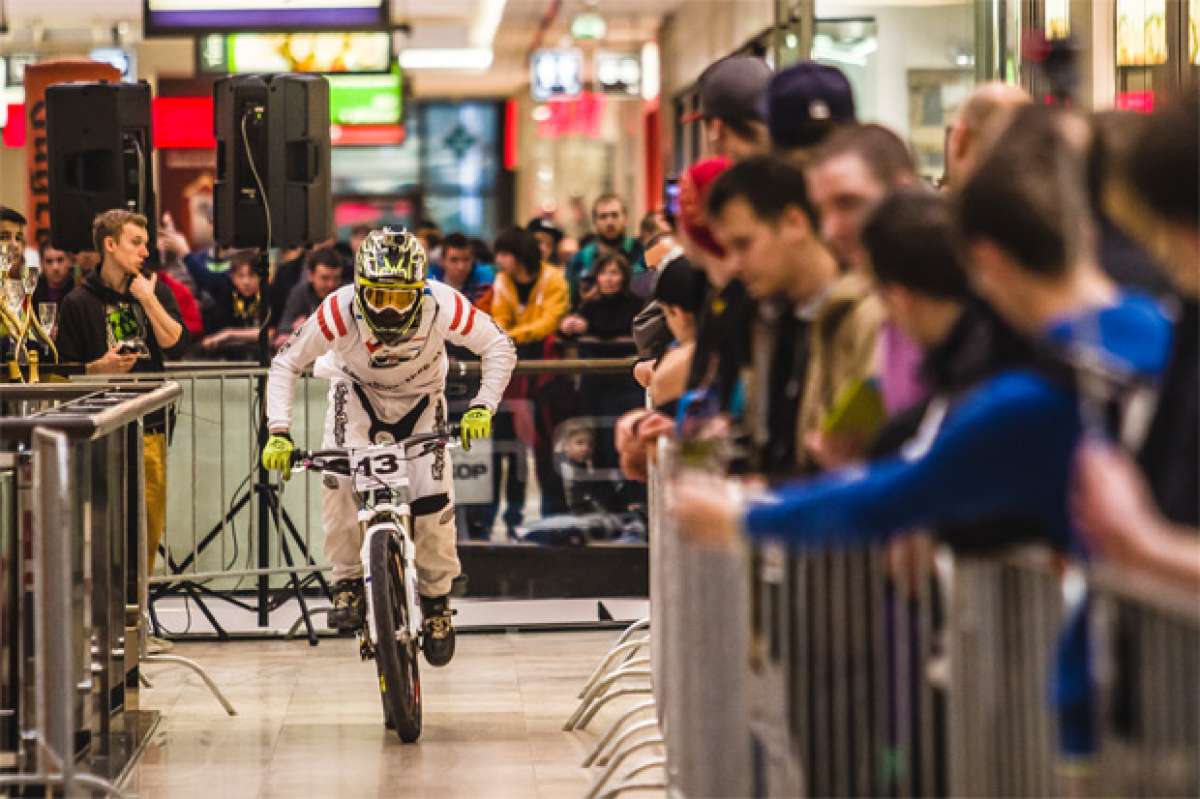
273, 153
99, 149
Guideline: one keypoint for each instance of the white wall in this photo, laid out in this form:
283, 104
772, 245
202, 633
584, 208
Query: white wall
702, 31
923, 37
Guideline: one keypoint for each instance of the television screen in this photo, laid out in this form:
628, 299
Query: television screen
183, 17
324, 53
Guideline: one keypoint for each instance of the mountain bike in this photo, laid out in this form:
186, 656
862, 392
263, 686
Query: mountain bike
391, 635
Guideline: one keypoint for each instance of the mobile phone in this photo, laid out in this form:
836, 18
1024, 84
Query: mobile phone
127, 349
671, 198
858, 409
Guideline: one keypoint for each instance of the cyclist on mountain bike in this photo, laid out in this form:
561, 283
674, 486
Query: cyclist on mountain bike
381, 342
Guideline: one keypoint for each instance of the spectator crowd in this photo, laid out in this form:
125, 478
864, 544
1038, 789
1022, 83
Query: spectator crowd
866, 354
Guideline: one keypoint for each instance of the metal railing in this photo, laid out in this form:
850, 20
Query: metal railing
74, 590
214, 452
216, 543
908, 670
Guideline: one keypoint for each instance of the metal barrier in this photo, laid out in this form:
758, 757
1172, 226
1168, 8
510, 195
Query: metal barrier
907, 670
217, 546
75, 588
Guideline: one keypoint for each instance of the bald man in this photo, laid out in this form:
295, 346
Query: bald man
981, 117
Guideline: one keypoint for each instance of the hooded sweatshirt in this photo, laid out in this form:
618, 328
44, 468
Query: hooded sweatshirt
93, 318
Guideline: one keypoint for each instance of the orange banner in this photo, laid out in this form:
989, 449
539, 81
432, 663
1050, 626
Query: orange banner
37, 77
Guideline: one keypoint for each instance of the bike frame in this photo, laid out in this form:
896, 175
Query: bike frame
393, 520
387, 511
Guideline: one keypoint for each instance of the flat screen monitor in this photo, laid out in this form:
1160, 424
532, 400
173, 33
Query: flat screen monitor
191, 17
317, 52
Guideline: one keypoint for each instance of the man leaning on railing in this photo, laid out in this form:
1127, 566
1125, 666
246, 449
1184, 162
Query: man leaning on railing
120, 320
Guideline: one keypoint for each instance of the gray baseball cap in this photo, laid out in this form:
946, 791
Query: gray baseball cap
733, 88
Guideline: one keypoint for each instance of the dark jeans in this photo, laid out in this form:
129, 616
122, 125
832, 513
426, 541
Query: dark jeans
505, 448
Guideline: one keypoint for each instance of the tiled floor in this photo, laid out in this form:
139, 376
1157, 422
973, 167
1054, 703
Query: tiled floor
309, 722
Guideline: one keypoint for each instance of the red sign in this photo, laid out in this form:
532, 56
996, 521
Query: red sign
183, 123
580, 116
364, 135
1142, 102
14, 129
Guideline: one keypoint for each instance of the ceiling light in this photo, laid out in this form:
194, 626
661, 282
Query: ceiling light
588, 26
466, 58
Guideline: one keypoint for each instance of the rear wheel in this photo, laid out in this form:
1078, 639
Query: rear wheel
396, 657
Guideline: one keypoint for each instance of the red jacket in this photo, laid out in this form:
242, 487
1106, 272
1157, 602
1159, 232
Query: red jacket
189, 309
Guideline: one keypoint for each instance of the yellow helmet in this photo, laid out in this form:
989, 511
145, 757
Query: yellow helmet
389, 277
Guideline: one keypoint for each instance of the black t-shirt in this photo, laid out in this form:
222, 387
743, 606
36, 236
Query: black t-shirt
722, 341
524, 290
611, 316
789, 368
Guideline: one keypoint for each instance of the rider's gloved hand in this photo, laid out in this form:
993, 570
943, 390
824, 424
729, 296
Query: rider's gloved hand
277, 454
476, 423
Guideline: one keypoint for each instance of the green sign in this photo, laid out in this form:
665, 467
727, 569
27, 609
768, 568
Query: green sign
366, 99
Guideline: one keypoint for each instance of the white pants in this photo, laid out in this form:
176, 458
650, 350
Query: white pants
356, 418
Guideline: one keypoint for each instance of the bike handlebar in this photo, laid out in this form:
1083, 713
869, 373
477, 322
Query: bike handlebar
332, 455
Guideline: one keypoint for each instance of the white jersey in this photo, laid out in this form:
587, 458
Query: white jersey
339, 340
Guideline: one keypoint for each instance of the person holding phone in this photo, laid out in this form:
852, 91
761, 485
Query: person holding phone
121, 319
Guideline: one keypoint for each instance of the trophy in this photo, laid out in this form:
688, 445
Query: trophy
17, 315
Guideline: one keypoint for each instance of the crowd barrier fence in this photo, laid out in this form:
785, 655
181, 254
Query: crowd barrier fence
215, 543
910, 670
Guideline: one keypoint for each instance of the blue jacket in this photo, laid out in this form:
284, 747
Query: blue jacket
478, 282
1006, 449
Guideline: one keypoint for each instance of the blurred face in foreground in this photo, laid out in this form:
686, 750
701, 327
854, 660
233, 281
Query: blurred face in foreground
844, 191
761, 251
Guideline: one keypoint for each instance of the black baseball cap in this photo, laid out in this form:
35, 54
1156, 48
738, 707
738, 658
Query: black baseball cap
733, 88
804, 103
542, 225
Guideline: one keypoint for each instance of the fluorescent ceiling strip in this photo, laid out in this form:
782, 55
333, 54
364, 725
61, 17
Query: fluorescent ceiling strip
469, 58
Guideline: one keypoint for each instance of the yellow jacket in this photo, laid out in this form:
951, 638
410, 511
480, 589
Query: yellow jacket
538, 318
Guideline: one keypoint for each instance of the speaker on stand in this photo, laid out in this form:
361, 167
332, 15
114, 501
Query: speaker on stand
99, 146
273, 160
272, 190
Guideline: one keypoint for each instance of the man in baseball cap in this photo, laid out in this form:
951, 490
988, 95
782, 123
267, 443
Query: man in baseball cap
805, 103
731, 106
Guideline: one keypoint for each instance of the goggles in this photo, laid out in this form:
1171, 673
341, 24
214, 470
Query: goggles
398, 298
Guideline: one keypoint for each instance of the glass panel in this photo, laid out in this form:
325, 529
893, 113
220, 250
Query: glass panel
1141, 32
549, 476
1058, 19
1193, 23
910, 66
1144, 59
375, 170
460, 145
470, 214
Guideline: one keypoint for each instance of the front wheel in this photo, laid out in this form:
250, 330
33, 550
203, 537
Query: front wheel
395, 651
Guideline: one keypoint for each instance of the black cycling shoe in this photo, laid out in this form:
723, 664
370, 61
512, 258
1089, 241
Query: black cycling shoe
437, 642
348, 605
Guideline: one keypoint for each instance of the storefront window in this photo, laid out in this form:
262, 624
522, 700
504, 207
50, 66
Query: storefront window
1141, 33
910, 66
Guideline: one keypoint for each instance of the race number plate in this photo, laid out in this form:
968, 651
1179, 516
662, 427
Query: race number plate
378, 467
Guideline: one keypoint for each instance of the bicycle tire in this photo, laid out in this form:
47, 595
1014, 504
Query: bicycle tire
399, 676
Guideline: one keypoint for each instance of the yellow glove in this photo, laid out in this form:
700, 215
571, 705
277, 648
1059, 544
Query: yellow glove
277, 454
476, 423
